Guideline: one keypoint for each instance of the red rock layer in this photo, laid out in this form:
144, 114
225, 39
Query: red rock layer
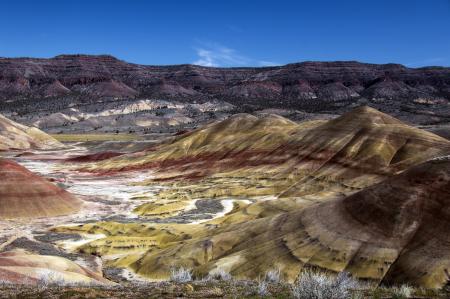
24, 194
95, 157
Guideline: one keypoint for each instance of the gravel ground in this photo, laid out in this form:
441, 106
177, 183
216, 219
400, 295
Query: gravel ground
51, 237
39, 248
204, 209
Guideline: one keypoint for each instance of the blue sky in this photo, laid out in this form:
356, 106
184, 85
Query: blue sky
231, 33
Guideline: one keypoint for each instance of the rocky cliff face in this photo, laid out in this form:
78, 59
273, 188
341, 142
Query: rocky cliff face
419, 95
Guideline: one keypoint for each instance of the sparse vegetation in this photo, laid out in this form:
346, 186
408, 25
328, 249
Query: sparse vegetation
219, 274
315, 285
263, 288
402, 292
273, 276
95, 137
180, 275
47, 277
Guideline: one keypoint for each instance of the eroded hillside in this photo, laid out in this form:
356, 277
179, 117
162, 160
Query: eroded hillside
299, 195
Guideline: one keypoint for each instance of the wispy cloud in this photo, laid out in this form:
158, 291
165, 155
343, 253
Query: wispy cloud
427, 62
216, 55
267, 63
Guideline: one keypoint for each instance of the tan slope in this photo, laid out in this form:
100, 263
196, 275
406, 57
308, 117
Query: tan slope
238, 137
24, 194
307, 164
363, 135
356, 150
17, 136
393, 232
23, 267
274, 156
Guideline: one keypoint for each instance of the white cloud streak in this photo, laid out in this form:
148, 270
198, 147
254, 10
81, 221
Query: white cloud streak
426, 62
216, 55
267, 63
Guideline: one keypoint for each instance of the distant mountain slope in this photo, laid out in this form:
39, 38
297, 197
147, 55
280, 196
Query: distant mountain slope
17, 136
24, 194
420, 95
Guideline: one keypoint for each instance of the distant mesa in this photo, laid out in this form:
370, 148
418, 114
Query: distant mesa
54, 89
109, 88
20, 137
419, 95
24, 194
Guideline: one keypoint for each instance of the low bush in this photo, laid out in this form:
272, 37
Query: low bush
219, 274
402, 292
180, 275
263, 288
273, 276
316, 285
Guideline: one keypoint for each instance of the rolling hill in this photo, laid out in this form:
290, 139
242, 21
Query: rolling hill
392, 232
279, 157
26, 268
21, 137
24, 194
363, 193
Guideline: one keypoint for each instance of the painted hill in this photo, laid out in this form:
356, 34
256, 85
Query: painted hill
24, 194
17, 136
358, 149
286, 159
393, 232
349, 194
241, 133
25, 268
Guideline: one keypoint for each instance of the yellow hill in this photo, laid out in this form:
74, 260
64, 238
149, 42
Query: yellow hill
274, 156
17, 136
22, 267
309, 171
393, 232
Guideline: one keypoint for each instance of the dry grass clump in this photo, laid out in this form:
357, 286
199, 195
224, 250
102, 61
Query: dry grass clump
273, 276
315, 285
51, 279
180, 275
219, 274
402, 292
263, 288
